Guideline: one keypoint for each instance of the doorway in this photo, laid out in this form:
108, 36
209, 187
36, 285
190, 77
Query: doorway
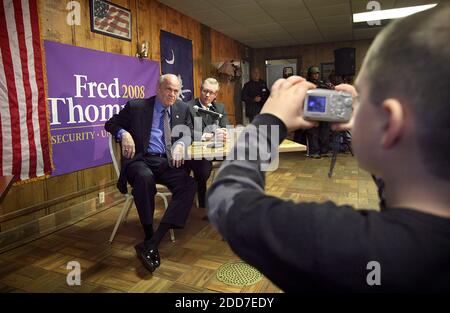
280, 68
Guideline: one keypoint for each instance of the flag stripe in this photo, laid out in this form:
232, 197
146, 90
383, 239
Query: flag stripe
27, 117
13, 127
38, 158
25, 149
115, 21
13, 31
42, 103
5, 118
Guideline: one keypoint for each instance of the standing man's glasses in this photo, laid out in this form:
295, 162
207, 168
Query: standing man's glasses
206, 92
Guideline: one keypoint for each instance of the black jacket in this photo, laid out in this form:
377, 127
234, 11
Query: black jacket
207, 119
324, 246
136, 118
250, 91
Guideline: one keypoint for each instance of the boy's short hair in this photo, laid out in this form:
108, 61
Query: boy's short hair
416, 50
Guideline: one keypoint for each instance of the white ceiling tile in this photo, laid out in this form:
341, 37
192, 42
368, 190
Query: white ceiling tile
247, 20
222, 24
323, 3
271, 27
334, 20
275, 37
224, 4
250, 8
281, 16
338, 37
299, 24
210, 15
282, 9
262, 23
359, 6
409, 3
187, 6
338, 9
306, 36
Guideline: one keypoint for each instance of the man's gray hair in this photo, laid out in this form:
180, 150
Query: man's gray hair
164, 77
211, 81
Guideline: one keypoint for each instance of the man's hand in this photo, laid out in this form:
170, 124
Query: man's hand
128, 147
221, 134
347, 126
286, 102
207, 136
257, 99
178, 155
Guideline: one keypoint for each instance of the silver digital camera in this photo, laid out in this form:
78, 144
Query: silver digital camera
327, 105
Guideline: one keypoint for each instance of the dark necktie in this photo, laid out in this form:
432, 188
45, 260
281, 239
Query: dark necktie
167, 135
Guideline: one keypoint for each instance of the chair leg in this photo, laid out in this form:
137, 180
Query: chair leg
172, 235
130, 205
120, 219
307, 146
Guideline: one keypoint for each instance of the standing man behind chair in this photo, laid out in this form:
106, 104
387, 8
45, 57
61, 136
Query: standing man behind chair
151, 156
254, 94
202, 168
318, 137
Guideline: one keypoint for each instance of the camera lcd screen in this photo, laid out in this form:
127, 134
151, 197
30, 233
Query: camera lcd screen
316, 104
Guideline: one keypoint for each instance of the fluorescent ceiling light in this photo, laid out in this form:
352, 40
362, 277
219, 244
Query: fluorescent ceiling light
389, 14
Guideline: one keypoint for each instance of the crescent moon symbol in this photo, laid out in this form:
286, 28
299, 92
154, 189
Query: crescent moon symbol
173, 58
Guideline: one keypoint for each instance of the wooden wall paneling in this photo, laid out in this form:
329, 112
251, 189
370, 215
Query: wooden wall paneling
49, 202
116, 45
224, 48
61, 185
173, 22
13, 223
98, 175
194, 33
158, 22
22, 196
133, 7
310, 54
143, 18
205, 53
82, 36
53, 15
57, 29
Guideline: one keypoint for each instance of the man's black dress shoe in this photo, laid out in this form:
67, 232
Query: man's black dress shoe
148, 256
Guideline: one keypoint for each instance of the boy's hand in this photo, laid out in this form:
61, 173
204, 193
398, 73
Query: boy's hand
286, 102
347, 126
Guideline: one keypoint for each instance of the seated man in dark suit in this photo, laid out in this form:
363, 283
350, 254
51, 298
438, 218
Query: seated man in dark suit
209, 129
151, 155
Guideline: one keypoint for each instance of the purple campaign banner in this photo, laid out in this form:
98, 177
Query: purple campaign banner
85, 88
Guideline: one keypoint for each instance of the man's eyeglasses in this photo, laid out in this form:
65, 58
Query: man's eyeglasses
208, 92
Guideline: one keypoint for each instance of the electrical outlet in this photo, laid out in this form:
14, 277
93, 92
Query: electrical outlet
101, 197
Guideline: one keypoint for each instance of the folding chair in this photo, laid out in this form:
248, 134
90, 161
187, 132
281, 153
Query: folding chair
162, 191
215, 167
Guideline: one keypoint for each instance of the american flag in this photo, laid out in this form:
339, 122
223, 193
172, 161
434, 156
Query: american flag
25, 147
111, 19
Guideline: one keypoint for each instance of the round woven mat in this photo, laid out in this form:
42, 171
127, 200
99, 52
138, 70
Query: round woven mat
238, 274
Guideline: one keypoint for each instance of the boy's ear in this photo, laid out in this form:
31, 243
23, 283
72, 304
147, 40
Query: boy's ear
395, 122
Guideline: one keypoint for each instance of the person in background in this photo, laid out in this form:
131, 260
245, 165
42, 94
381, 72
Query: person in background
254, 94
318, 138
210, 129
325, 247
151, 156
